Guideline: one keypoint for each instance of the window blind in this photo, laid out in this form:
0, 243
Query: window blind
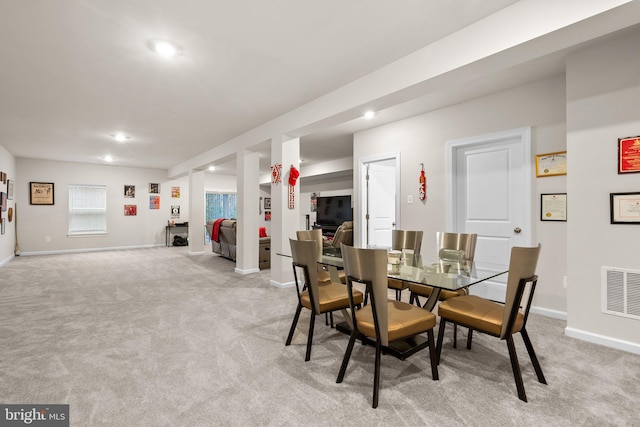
87, 209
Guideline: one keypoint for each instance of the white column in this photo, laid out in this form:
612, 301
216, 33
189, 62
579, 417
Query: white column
196, 212
248, 177
284, 221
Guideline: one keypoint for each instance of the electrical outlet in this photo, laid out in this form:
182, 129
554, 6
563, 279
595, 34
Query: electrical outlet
47, 239
410, 198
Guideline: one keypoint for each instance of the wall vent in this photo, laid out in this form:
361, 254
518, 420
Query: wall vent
621, 292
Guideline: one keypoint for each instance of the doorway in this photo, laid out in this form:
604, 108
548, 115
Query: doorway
379, 179
489, 193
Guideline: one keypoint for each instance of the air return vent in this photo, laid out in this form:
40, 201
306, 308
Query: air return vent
621, 292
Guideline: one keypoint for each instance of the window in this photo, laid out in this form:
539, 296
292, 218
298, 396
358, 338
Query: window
87, 209
220, 205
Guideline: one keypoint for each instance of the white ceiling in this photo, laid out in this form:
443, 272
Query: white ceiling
75, 72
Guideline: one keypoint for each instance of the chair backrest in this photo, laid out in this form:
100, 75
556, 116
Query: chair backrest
456, 241
404, 239
343, 234
305, 256
522, 265
370, 266
315, 235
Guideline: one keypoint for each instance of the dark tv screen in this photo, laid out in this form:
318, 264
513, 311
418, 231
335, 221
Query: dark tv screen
333, 210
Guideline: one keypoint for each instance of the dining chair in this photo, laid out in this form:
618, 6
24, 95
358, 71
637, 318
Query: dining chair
316, 236
454, 247
404, 240
383, 321
316, 298
500, 320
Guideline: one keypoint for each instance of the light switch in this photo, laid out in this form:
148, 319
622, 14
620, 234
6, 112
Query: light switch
410, 198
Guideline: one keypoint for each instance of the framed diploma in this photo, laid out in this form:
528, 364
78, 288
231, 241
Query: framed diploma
551, 164
41, 193
625, 208
553, 207
629, 155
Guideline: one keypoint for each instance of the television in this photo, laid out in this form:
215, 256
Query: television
333, 211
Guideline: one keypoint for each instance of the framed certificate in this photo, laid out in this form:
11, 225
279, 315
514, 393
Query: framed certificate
553, 207
629, 155
41, 193
551, 164
625, 208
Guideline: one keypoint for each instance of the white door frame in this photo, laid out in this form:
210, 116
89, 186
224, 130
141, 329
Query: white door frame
361, 222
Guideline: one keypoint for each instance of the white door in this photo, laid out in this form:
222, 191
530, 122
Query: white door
491, 196
378, 197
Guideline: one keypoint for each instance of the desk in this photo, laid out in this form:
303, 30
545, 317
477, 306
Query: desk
169, 228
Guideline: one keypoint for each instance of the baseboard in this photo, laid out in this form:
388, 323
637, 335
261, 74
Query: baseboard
6, 260
547, 312
282, 285
80, 250
602, 340
196, 253
247, 271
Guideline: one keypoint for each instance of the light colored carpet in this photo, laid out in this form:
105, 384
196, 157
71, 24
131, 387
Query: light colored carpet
157, 337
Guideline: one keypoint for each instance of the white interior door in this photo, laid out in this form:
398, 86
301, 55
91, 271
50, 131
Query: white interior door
378, 190
491, 196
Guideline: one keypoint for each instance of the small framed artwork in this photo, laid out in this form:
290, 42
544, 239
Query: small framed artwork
267, 202
175, 211
3, 201
154, 188
629, 155
625, 208
4, 178
130, 210
41, 193
130, 191
154, 202
175, 192
2, 220
267, 215
551, 164
553, 207
9, 189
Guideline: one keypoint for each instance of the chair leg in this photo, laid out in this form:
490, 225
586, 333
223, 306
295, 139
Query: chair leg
376, 375
312, 322
293, 324
469, 338
517, 375
331, 318
455, 335
433, 356
532, 356
443, 323
326, 319
347, 356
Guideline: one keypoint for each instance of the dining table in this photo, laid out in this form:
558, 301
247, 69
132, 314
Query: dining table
438, 272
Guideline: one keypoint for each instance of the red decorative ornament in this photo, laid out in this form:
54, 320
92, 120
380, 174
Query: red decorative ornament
276, 173
293, 177
422, 188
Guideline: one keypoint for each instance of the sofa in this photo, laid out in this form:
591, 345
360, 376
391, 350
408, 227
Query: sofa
226, 244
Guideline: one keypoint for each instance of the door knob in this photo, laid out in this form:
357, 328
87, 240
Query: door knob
517, 230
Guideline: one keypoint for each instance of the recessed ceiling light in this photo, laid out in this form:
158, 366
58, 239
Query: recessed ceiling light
164, 48
369, 115
108, 158
212, 168
120, 137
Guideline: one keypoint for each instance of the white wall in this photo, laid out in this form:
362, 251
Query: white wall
603, 89
422, 139
147, 228
8, 239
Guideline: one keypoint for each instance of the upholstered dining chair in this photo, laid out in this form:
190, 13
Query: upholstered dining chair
316, 236
455, 247
314, 297
500, 320
383, 321
404, 240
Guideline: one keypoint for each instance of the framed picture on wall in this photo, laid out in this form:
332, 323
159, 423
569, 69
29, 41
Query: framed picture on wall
553, 207
625, 208
629, 155
130, 191
267, 202
9, 189
41, 193
154, 188
551, 164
